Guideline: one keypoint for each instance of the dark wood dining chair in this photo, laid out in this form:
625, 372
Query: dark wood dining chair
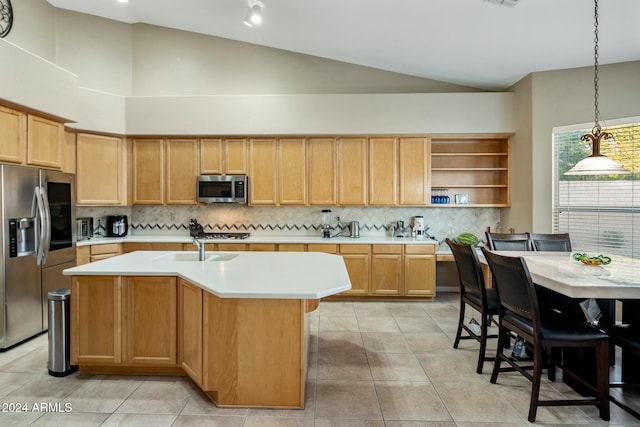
627, 337
476, 295
556, 242
518, 312
509, 241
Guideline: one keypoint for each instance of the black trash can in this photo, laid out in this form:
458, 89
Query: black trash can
59, 340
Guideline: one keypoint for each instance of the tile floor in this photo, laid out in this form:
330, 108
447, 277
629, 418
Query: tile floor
371, 364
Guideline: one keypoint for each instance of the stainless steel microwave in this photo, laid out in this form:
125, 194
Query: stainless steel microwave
222, 189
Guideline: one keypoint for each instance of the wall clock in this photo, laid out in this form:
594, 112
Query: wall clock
6, 17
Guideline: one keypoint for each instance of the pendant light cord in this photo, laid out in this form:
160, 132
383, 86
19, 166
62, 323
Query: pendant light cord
595, 72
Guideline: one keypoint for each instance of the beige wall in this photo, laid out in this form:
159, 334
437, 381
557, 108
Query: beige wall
557, 98
34, 27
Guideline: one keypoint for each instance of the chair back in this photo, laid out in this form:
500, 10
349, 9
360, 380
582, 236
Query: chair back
516, 291
559, 242
469, 270
509, 241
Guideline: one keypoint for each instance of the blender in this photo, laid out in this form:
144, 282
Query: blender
325, 228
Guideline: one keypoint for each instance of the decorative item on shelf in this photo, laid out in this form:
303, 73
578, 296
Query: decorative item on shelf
440, 196
592, 260
462, 199
596, 163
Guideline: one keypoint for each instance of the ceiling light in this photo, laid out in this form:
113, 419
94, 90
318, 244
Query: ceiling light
504, 2
123, 1
596, 163
254, 14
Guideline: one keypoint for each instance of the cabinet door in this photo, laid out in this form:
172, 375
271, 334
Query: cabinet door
386, 274
211, 156
352, 171
419, 275
83, 255
151, 321
262, 167
414, 170
321, 159
97, 301
383, 171
45, 139
191, 330
181, 171
13, 135
358, 267
235, 156
148, 172
69, 152
291, 171
100, 173
262, 247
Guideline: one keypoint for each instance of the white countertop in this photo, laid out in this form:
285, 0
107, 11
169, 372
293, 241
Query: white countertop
258, 238
288, 275
560, 272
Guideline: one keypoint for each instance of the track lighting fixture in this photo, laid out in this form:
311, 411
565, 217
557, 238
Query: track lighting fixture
254, 14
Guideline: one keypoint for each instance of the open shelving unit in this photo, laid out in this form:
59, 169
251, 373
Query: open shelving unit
478, 166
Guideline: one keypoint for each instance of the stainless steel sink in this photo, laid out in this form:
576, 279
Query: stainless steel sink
192, 256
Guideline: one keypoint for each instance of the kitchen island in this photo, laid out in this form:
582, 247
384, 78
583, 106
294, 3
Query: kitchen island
236, 323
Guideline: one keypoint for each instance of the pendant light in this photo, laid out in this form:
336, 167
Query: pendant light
596, 163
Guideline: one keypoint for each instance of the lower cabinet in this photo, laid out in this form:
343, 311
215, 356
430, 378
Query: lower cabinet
133, 321
419, 271
386, 270
190, 330
357, 260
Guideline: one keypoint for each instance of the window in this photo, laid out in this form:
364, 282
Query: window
602, 213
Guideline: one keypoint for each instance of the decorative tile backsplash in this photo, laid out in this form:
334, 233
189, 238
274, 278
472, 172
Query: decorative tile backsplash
297, 220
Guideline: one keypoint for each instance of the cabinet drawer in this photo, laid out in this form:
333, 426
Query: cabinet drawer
355, 249
108, 248
132, 247
386, 249
291, 247
232, 246
420, 249
320, 247
95, 258
262, 247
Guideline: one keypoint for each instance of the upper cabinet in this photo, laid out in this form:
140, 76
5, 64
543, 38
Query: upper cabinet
13, 135
101, 176
262, 171
321, 171
220, 156
165, 171
414, 171
474, 171
291, 171
45, 141
383, 171
352, 174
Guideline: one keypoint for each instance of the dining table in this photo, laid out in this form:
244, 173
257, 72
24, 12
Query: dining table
563, 282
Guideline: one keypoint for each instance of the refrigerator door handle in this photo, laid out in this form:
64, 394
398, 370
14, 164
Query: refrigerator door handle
47, 224
43, 222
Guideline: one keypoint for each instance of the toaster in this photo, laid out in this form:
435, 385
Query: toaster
84, 228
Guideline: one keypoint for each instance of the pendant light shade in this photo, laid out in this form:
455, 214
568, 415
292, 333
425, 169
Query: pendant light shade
596, 163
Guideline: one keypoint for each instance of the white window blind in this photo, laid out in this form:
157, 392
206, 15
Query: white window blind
601, 213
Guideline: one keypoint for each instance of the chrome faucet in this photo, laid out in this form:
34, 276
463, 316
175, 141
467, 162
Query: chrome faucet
200, 245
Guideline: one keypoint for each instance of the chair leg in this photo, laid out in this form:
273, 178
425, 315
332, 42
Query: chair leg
537, 376
460, 322
502, 332
602, 382
483, 343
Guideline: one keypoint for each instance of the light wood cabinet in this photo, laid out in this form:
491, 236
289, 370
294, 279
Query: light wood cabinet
323, 247
83, 255
414, 170
97, 301
386, 269
383, 171
262, 172
232, 247
352, 173
100, 170
148, 171
262, 247
45, 141
321, 161
419, 270
155, 246
291, 247
291, 171
151, 326
190, 330
181, 171
13, 135
69, 152
104, 251
478, 167
357, 259
223, 156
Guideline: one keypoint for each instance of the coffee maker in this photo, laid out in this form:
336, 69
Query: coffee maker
117, 226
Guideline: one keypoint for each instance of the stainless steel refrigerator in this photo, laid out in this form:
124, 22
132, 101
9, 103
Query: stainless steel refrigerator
37, 210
